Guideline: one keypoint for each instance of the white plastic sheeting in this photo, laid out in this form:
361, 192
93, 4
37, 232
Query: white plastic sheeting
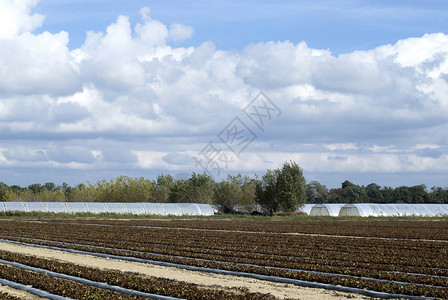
172, 209
115, 208
305, 208
56, 207
37, 206
206, 210
177, 209
190, 209
95, 207
327, 209
76, 207
15, 206
388, 210
135, 208
153, 208
247, 208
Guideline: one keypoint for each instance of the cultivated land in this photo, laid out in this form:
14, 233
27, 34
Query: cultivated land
400, 256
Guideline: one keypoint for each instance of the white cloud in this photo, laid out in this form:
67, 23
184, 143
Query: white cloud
24, 154
70, 154
180, 33
15, 18
158, 104
37, 64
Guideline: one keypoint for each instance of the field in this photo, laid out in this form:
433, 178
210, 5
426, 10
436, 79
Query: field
228, 259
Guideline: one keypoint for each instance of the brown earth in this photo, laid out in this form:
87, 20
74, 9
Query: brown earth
18, 293
205, 280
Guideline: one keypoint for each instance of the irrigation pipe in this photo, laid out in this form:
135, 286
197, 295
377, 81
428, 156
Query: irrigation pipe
278, 279
101, 285
31, 290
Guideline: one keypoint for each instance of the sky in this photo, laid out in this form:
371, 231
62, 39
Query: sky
350, 90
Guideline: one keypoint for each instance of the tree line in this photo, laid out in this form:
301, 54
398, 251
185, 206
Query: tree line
277, 190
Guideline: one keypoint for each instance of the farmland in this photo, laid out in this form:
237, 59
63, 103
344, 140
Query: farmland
405, 257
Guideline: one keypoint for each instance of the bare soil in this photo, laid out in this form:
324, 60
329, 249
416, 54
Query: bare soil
18, 293
202, 279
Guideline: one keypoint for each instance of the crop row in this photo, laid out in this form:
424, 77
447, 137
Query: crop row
379, 259
307, 260
388, 287
6, 296
151, 285
353, 270
384, 255
59, 286
420, 229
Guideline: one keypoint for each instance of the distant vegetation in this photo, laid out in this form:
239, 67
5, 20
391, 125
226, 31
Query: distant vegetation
278, 190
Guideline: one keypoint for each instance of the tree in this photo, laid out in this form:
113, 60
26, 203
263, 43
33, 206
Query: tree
316, 192
438, 195
374, 193
4, 190
227, 195
266, 191
180, 191
199, 188
162, 188
248, 190
336, 196
49, 186
202, 188
353, 193
235, 190
282, 190
419, 194
388, 195
35, 188
403, 194
291, 187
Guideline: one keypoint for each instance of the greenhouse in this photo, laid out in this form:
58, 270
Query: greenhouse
305, 208
14, 206
75, 207
328, 209
152, 209
95, 207
177, 209
388, 210
135, 208
116, 208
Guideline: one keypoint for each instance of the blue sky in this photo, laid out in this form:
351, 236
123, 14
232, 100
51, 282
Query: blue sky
341, 26
353, 90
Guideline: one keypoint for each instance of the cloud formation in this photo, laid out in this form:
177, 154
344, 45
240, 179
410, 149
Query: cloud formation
156, 103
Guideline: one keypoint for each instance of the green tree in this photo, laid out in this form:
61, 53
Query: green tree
354, 193
199, 188
388, 195
248, 190
162, 188
227, 195
419, 194
49, 186
438, 195
316, 193
35, 188
336, 196
266, 191
374, 193
291, 187
282, 190
4, 189
180, 191
402, 194
234, 190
